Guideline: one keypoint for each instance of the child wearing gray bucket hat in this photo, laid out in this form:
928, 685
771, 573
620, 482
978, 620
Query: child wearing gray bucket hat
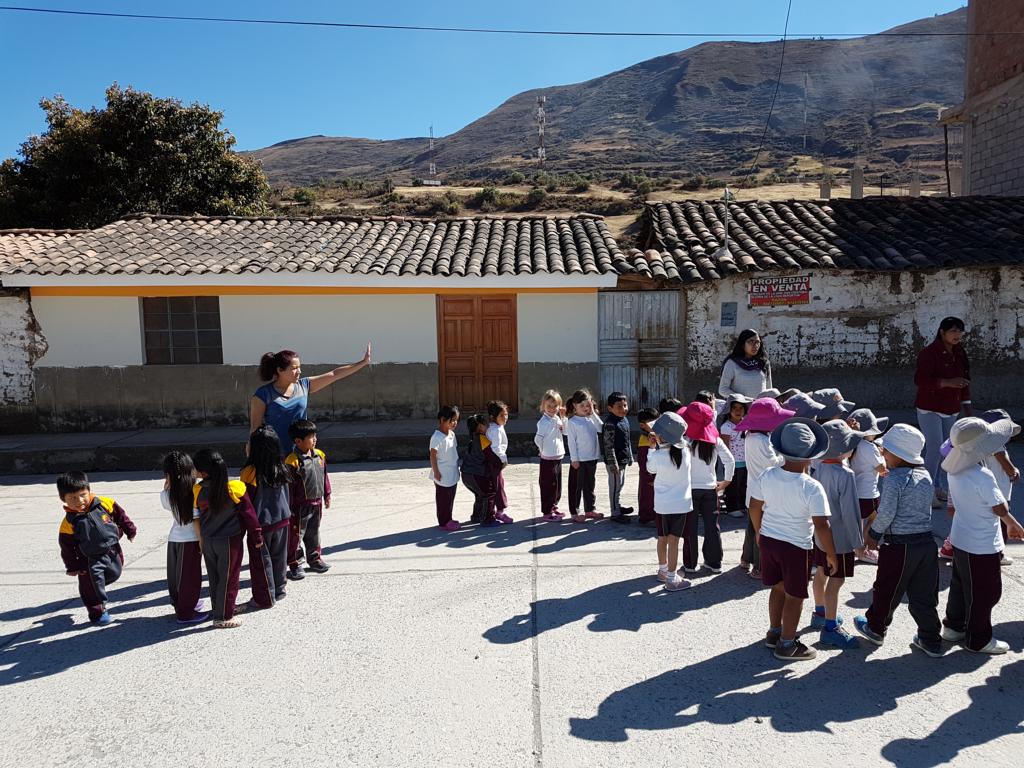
908, 563
840, 486
788, 508
669, 462
868, 466
976, 535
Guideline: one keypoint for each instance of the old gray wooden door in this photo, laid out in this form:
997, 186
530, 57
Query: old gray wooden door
638, 348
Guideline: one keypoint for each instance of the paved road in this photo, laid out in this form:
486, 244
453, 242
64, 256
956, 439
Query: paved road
536, 644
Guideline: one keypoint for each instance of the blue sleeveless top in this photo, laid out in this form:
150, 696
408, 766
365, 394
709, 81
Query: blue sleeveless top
282, 411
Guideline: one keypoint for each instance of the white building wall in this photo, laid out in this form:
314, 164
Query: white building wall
20, 345
89, 330
557, 327
330, 329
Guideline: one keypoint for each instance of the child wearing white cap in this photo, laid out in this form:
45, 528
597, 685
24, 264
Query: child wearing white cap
978, 506
907, 561
868, 467
788, 509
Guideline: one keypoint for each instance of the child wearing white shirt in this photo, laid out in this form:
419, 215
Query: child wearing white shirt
584, 433
707, 450
669, 462
444, 466
497, 415
551, 444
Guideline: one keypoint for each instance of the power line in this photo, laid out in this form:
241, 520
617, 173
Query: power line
492, 30
778, 84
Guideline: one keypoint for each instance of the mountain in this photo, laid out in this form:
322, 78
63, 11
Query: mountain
701, 110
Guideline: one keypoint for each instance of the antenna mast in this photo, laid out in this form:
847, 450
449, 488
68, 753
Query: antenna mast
805, 112
433, 165
541, 121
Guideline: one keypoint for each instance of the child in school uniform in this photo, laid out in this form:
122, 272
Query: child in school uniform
1000, 465
184, 557
902, 532
763, 416
477, 471
550, 442
978, 506
840, 486
89, 539
616, 446
669, 462
735, 495
497, 414
224, 511
309, 495
444, 466
707, 449
268, 482
789, 509
868, 467
583, 435
645, 486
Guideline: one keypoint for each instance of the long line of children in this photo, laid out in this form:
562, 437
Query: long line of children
276, 505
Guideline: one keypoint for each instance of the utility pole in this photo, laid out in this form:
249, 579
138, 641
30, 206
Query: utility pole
805, 112
541, 121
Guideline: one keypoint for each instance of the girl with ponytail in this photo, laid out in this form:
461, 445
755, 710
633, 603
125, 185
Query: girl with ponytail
184, 557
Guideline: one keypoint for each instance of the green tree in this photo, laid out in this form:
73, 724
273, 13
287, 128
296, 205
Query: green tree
139, 153
304, 195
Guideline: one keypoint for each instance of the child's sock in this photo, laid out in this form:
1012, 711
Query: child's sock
831, 625
820, 610
775, 630
788, 643
663, 567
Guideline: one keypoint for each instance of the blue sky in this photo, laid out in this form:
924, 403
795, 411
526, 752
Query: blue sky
275, 83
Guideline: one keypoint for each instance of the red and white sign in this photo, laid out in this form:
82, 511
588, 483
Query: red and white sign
779, 291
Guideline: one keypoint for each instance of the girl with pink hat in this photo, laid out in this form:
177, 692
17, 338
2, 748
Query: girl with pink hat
707, 448
763, 416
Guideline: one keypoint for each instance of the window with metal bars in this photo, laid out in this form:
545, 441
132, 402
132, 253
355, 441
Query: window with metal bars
181, 330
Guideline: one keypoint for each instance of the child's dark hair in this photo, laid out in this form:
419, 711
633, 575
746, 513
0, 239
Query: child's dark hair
494, 409
616, 397
706, 397
300, 429
473, 422
72, 482
211, 464
704, 450
272, 362
181, 478
579, 396
676, 454
647, 415
447, 412
669, 405
265, 457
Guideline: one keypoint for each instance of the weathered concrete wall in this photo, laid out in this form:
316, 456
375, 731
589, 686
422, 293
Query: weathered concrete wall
536, 378
21, 344
862, 332
89, 330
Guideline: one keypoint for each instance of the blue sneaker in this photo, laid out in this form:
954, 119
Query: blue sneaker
818, 620
839, 637
103, 619
861, 623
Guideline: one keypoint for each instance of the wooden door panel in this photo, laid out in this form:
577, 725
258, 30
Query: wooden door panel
477, 350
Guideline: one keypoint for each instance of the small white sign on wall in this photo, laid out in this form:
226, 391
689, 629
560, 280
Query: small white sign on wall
729, 314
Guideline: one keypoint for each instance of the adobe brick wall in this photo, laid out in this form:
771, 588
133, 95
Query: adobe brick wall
993, 60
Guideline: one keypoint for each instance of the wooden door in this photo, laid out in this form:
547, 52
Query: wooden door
477, 351
638, 347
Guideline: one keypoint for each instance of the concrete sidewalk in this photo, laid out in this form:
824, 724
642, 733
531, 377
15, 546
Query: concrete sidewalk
343, 442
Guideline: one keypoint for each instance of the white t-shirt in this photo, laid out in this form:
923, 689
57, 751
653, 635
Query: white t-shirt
1002, 479
703, 475
548, 439
584, 434
973, 493
447, 457
866, 458
790, 499
499, 441
181, 533
672, 495
760, 457
736, 443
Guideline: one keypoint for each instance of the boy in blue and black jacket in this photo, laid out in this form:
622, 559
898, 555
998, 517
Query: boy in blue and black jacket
618, 453
89, 541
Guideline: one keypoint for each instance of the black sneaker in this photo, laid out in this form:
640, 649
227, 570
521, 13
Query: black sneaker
280, 596
626, 510
794, 651
295, 574
622, 518
318, 566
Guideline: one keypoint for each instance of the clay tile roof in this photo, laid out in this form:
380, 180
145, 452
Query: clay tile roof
684, 239
393, 246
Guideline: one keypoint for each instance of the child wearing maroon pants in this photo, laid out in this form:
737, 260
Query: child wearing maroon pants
789, 509
583, 433
977, 506
444, 466
268, 481
550, 442
309, 495
645, 486
907, 561
184, 557
88, 538
224, 511
477, 473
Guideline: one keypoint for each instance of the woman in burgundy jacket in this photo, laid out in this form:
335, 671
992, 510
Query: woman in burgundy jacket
943, 379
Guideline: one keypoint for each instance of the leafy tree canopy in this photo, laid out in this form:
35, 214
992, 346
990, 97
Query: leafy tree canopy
139, 153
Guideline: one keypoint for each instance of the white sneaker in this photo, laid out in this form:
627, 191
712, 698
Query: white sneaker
952, 635
662, 575
994, 647
1006, 561
677, 584
713, 569
690, 570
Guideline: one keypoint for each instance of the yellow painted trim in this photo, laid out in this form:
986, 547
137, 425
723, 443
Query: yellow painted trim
241, 290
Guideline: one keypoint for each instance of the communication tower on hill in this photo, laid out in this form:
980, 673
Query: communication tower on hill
541, 121
432, 180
